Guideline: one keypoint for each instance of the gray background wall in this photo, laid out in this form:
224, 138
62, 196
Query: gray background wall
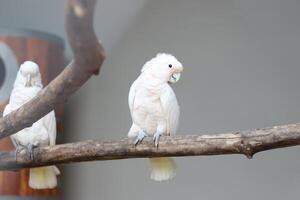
241, 62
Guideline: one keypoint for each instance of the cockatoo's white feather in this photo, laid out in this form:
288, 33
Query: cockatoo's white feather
43, 132
170, 108
154, 108
131, 95
51, 127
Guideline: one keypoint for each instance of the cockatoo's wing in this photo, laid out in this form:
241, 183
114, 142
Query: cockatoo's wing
6, 111
49, 121
170, 109
131, 96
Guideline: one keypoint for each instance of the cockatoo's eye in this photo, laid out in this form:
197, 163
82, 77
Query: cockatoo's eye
170, 66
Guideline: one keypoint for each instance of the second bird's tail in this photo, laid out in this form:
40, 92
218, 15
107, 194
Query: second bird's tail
43, 177
162, 168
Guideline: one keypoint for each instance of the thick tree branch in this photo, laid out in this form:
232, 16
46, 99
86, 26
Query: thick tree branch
241, 142
88, 58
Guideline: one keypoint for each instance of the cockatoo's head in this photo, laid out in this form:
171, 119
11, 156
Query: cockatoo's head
164, 67
29, 75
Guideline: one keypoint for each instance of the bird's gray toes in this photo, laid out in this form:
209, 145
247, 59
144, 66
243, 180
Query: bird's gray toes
19, 148
140, 137
156, 137
30, 148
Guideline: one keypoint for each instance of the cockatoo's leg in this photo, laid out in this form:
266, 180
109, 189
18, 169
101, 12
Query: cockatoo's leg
19, 147
30, 148
156, 137
161, 129
141, 135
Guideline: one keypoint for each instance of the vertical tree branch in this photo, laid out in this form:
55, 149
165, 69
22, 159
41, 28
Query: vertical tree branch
88, 59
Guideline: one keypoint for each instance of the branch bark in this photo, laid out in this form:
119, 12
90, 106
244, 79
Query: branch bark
88, 58
241, 142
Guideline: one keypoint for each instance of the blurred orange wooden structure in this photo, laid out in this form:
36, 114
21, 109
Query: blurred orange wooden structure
48, 52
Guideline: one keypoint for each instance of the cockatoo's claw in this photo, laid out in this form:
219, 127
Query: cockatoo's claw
16, 155
30, 148
19, 148
140, 137
17, 152
156, 138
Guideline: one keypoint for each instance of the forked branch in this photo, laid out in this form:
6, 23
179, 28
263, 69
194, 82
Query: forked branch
88, 58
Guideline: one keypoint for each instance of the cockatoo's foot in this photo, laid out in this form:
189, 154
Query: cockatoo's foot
156, 138
30, 148
19, 148
141, 135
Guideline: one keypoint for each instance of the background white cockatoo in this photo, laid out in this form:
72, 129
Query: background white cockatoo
154, 108
42, 133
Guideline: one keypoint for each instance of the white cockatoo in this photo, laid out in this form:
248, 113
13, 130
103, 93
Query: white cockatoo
42, 133
154, 108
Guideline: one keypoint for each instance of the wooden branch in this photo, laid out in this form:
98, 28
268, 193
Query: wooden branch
88, 58
241, 142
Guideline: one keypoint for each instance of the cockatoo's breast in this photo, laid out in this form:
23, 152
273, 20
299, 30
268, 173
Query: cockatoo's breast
22, 95
147, 109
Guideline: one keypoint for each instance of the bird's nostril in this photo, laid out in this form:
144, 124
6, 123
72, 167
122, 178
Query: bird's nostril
2, 72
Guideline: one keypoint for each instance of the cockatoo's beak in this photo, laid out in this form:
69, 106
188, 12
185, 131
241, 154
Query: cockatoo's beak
28, 81
174, 78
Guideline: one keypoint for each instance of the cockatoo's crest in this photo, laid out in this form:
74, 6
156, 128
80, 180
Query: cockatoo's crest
163, 66
158, 59
28, 75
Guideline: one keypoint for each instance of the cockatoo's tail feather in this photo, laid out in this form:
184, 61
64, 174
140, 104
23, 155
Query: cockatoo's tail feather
43, 177
162, 169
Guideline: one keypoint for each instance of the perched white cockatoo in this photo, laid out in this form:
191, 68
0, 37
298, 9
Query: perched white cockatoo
154, 108
42, 133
